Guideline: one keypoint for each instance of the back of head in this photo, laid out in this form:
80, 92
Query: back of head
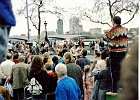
21, 58
117, 19
55, 59
46, 55
84, 52
97, 54
68, 58
64, 51
9, 56
101, 64
15, 56
48, 66
37, 63
61, 69
87, 68
60, 53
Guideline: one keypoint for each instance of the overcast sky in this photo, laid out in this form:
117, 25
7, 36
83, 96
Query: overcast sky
21, 26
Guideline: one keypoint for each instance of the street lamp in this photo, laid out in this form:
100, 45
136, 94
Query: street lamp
46, 35
45, 23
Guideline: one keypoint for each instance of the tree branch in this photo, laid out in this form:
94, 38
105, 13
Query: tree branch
33, 22
97, 21
124, 9
110, 7
137, 9
52, 12
115, 2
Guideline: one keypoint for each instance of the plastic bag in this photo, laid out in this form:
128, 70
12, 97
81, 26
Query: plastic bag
9, 87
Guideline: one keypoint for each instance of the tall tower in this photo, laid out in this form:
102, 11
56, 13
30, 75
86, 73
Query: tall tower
74, 25
60, 26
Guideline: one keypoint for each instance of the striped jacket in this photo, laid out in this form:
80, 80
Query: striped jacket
117, 39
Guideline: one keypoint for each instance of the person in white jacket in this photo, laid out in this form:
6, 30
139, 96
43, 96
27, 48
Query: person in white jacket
6, 68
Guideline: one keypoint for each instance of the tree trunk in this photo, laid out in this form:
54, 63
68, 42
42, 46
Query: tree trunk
39, 25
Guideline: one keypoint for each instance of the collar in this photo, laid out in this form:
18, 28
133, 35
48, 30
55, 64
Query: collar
83, 56
62, 78
49, 71
117, 26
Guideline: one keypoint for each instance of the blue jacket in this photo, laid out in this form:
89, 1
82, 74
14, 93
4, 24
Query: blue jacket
61, 60
6, 13
67, 89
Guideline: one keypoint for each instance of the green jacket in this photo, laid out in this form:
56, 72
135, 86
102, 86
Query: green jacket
20, 73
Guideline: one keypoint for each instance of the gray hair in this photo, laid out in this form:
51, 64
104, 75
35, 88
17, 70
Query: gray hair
61, 69
21, 58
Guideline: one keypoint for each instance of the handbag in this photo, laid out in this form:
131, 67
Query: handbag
34, 87
9, 87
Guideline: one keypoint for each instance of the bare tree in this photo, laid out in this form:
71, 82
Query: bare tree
35, 8
102, 10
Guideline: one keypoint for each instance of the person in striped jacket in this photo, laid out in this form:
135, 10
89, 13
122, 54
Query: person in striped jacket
117, 44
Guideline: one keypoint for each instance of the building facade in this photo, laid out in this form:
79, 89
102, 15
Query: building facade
74, 26
60, 27
96, 31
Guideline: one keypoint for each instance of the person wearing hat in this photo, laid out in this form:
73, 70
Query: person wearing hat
117, 42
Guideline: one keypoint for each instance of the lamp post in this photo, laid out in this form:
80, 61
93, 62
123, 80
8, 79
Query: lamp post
46, 35
27, 21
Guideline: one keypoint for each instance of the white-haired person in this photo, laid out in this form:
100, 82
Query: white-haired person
103, 81
67, 88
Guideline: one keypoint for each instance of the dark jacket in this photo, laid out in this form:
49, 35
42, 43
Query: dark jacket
105, 79
43, 78
74, 71
52, 82
82, 62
